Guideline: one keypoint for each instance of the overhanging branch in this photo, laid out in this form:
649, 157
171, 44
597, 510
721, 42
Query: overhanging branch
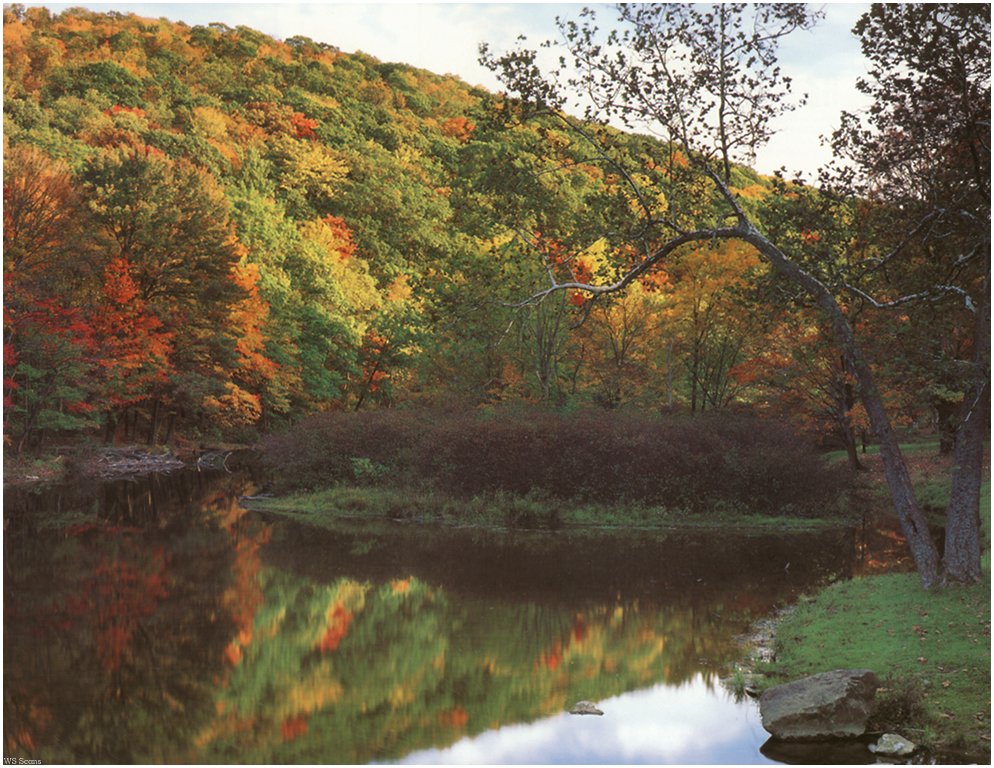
696, 236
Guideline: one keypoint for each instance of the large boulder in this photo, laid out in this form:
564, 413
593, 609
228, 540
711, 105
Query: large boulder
831, 705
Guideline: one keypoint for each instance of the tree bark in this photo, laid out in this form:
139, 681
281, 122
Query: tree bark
130, 424
961, 555
170, 427
850, 440
669, 375
848, 400
946, 415
913, 524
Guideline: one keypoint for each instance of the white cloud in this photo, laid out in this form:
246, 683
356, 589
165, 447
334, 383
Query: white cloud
664, 724
825, 64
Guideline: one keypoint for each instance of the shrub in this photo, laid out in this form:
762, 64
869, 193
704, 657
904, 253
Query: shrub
615, 456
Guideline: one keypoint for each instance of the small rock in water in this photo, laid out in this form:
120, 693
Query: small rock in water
585, 708
892, 745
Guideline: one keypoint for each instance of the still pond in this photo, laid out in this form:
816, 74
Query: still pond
159, 620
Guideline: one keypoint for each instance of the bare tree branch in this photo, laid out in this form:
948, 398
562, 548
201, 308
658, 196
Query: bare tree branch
935, 293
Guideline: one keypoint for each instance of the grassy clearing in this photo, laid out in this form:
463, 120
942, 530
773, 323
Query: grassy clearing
330, 506
932, 650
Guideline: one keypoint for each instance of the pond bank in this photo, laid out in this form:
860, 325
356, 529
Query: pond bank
930, 649
329, 506
108, 462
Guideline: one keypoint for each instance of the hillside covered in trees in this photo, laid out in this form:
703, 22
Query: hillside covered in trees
209, 231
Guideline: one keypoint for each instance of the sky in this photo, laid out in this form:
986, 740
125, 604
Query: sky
444, 37
662, 725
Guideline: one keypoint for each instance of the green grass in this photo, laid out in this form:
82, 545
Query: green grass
931, 648
331, 505
925, 446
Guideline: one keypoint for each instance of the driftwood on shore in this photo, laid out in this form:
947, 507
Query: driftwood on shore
122, 462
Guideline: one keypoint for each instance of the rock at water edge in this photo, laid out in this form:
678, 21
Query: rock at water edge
893, 745
830, 705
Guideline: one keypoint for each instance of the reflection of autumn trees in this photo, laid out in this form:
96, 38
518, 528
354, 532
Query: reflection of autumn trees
123, 590
111, 640
353, 672
182, 628
188, 647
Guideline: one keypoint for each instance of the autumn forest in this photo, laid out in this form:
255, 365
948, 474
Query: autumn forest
208, 231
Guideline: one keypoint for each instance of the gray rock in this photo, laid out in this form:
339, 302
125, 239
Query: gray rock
831, 705
893, 745
585, 708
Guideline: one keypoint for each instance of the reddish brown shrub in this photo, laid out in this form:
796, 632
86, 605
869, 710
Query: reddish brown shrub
595, 455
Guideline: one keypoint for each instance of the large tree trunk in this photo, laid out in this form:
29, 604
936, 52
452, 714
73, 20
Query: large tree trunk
845, 430
961, 558
946, 417
848, 400
913, 524
902, 492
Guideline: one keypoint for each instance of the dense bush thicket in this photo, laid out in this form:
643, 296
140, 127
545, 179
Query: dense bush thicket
591, 455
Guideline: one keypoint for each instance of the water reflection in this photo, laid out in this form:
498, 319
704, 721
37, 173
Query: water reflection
162, 622
693, 723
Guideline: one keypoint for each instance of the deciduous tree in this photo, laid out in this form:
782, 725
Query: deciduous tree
707, 78
922, 154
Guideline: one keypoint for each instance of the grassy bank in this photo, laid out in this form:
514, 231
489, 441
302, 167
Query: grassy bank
931, 649
330, 506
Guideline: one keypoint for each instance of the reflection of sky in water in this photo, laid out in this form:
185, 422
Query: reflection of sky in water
664, 724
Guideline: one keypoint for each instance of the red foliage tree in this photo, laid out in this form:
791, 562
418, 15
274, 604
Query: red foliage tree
132, 347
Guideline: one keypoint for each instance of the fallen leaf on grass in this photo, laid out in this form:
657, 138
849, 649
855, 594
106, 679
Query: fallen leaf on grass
946, 683
922, 660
